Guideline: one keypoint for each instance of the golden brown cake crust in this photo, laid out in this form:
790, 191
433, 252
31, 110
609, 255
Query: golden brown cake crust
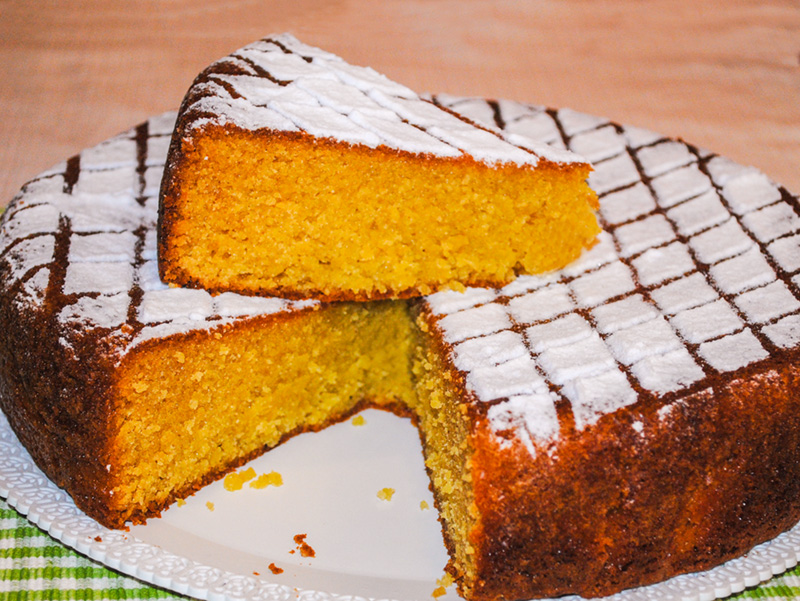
56, 400
671, 486
698, 486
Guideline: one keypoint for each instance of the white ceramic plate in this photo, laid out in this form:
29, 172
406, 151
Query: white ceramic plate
364, 547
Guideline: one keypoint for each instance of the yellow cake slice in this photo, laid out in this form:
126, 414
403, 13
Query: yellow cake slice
294, 173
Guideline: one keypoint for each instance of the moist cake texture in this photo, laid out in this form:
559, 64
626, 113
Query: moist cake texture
628, 418
293, 173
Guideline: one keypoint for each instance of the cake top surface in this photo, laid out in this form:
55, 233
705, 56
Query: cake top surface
279, 83
695, 276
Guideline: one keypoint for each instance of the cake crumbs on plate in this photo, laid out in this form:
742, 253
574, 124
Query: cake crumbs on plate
272, 478
275, 569
305, 549
235, 480
423, 505
386, 494
443, 582
358, 420
210, 505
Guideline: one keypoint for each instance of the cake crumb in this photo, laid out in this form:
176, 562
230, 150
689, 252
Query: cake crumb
235, 480
181, 502
271, 479
210, 505
275, 569
305, 549
424, 505
358, 420
442, 583
386, 494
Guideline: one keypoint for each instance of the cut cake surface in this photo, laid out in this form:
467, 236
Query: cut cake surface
294, 173
628, 418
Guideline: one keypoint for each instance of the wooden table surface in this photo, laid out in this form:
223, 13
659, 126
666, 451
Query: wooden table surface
722, 75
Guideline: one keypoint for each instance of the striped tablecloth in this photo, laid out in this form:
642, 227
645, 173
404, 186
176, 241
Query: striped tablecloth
34, 566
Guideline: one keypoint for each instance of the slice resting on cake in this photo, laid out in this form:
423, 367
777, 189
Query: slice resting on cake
293, 173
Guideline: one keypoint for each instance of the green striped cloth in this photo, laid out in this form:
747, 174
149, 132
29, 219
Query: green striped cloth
34, 566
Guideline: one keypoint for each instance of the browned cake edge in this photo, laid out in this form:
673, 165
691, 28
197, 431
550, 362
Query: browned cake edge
620, 509
56, 401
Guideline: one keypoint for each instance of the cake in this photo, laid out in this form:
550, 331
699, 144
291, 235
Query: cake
296, 174
628, 418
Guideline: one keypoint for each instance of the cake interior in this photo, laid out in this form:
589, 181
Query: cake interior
310, 218
191, 409
445, 433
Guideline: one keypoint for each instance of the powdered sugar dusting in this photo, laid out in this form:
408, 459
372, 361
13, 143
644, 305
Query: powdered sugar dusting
27, 255
290, 86
97, 312
598, 394
229, 304
530, 419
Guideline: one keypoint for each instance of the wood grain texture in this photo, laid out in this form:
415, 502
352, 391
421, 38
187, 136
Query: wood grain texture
725, 76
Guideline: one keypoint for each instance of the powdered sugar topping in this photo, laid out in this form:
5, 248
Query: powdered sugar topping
285, 85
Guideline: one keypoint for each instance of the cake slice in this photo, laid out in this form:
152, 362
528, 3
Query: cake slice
293, 173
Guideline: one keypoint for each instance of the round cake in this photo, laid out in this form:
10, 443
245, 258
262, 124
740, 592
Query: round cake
631, 417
